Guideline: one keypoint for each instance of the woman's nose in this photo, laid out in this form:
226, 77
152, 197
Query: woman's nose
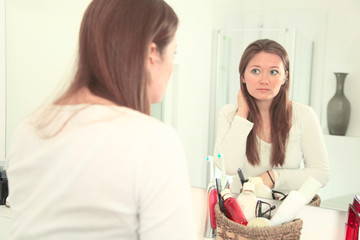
264, 79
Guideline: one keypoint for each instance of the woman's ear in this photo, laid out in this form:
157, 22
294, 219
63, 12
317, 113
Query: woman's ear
286, 78
153, 54
242, 79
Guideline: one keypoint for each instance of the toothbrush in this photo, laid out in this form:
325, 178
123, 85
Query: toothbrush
210, 159
224, 181
210, 225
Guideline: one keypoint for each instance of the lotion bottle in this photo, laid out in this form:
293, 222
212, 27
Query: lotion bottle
247, 200
232, 207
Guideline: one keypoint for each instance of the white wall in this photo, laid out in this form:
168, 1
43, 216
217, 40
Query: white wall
343, 54
41, 39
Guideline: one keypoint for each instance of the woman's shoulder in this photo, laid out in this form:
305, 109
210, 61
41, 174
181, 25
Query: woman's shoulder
303, 114
301, 109
111, 118
140, 120
228, 110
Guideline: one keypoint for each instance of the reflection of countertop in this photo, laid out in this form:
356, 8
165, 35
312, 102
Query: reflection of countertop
339, 203
5, 215
318, 223
343, 152
322, 223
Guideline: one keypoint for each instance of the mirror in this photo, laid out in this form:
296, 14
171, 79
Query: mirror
41, 41
325, 25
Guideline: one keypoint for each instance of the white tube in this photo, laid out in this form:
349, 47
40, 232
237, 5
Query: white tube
309, 188
289, 208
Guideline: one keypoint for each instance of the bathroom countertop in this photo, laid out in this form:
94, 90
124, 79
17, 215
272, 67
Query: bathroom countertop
318, 223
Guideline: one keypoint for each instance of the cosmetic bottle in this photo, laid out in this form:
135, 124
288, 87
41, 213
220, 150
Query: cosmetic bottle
212, 199
352, 228
356, 203
353, 221
247, 200
232, 207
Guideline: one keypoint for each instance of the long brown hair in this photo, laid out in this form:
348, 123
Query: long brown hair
280, 108
113, 45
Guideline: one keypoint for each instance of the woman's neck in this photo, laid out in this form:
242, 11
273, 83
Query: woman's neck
264, 131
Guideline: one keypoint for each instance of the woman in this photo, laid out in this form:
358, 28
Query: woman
94, 164
267, 135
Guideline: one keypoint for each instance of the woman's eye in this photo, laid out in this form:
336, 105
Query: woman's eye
255, 71
274, 72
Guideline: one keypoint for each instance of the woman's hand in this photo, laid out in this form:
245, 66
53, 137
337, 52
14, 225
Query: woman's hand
268, 180
243, 107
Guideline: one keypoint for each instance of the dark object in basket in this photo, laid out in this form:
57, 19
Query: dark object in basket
316, 201
229, 230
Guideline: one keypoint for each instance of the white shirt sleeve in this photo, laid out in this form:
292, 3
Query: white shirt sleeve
316, 163
232, 133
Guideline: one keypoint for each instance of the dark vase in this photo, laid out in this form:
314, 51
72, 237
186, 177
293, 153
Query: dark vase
339, 108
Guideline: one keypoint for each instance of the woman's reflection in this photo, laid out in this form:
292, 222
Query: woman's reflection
266, 134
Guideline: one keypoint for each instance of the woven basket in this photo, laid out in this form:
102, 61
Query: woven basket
230, 230
316, 201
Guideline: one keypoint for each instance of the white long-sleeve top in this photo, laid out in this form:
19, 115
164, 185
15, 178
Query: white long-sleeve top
305, 143
111, 173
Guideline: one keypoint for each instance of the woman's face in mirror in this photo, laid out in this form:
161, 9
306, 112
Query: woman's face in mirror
264, 75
